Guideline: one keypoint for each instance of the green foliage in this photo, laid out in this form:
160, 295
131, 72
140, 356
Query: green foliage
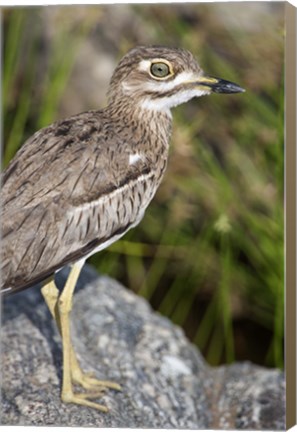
209, 253
32, 90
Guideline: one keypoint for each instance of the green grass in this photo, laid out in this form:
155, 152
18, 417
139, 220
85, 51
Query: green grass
31, 111
209, 253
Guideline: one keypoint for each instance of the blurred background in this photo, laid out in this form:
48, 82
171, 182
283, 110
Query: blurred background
209, 253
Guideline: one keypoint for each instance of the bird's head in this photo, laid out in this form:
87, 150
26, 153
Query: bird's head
159, 78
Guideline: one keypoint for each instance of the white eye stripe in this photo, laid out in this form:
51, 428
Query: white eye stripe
169, 85
144, 65
160, 86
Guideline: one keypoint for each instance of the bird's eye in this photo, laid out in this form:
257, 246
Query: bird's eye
160, 70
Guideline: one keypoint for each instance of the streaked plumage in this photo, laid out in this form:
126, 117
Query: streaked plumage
71, 187
79, 184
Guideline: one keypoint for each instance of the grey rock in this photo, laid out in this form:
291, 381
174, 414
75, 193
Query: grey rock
166, 383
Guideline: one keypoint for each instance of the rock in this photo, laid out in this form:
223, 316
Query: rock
166, 383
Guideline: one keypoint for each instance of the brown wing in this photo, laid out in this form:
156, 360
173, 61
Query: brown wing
69, 189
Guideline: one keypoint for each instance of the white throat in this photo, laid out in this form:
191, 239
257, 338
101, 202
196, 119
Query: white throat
164, 104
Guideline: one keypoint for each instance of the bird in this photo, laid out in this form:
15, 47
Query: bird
79, 184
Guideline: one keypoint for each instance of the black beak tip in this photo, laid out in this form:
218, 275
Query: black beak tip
227, 87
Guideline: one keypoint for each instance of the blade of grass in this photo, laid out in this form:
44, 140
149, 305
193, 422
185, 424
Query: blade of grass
12, 52
18, 125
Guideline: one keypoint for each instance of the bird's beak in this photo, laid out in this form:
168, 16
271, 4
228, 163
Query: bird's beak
218, 85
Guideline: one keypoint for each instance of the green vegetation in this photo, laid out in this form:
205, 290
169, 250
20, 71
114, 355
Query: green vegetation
209, 253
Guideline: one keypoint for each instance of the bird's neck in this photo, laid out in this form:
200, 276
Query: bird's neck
143, 124
147, 133
129, 111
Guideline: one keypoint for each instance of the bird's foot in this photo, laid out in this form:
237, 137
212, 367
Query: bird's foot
96, 388
82, 399
88, 381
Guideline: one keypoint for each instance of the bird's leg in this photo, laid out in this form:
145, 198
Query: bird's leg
86, 379
51, 294
64, 307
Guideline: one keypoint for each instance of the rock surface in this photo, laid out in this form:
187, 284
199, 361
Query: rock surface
166, 383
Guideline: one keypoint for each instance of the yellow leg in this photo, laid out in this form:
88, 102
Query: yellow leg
51, 294
60, 308
86, 379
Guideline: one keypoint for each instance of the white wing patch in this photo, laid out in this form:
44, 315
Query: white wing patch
134, 157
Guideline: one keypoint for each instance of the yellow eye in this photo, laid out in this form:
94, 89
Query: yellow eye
160, 70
